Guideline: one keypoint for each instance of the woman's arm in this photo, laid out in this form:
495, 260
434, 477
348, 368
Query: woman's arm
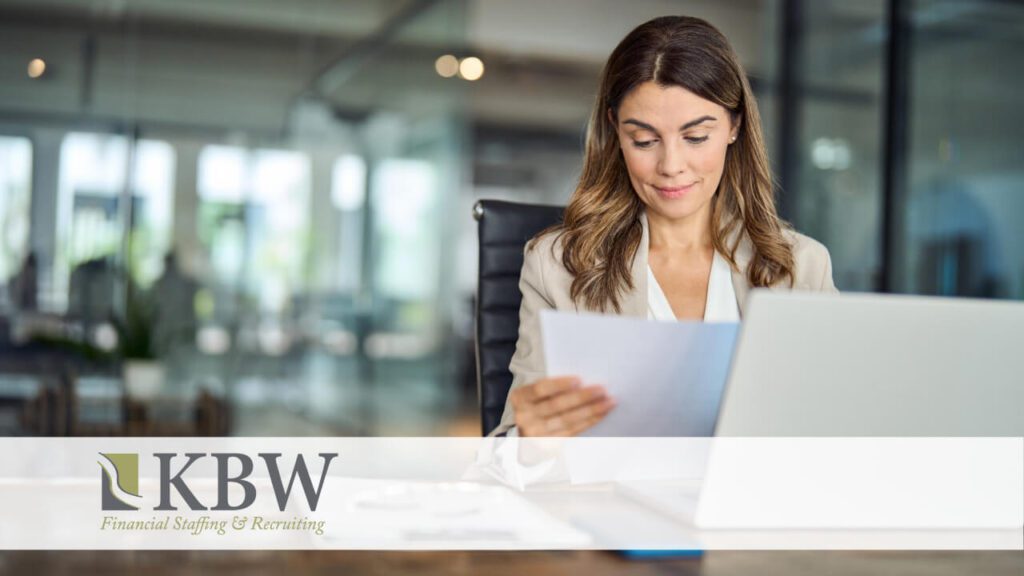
826, 283
539, 405
813, 264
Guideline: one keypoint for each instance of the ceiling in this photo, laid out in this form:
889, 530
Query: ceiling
542, 57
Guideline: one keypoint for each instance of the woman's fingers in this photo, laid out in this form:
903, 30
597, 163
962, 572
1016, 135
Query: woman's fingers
584, 425
569, 400
541, 389
558, 407
576, 420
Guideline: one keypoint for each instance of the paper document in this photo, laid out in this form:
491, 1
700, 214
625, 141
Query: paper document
401, 514
667, 378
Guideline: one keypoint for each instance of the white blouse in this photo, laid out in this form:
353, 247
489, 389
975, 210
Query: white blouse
720, 304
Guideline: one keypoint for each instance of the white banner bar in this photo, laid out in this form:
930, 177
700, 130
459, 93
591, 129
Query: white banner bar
512, 493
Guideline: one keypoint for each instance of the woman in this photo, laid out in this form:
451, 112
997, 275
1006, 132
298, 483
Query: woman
673, 217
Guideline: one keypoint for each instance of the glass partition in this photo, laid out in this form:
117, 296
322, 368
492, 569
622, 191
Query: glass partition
963, 230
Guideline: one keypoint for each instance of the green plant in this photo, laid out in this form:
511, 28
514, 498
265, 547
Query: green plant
135, 332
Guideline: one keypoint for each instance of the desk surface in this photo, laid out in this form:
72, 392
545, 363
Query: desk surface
511, 563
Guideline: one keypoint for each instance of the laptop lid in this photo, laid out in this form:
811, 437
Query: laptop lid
810, 364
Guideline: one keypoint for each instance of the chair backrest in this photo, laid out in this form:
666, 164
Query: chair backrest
504, 229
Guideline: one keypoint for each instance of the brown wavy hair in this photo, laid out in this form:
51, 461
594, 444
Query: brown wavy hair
601, 231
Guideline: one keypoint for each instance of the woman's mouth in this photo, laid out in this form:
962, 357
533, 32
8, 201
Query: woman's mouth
675, 191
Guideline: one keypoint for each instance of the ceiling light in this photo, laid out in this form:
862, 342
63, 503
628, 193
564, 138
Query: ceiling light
447, 66
471, 68
36, 68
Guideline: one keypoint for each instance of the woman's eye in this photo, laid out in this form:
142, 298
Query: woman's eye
644, 143
696, 139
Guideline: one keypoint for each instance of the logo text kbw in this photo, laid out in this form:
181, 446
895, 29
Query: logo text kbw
120, 480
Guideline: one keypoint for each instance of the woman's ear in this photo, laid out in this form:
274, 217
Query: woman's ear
734, 132
615, 128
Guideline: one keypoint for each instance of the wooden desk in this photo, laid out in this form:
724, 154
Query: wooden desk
511, 563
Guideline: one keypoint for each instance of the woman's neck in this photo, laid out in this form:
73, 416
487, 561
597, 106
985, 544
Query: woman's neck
687, 235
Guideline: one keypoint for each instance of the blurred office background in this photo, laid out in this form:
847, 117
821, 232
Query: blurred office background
253, 217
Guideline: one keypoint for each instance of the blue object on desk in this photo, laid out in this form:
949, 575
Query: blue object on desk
654, 554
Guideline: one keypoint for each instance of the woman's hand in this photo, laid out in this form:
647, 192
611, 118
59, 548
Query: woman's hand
558, 407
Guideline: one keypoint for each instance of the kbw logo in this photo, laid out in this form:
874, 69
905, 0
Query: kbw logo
120, 480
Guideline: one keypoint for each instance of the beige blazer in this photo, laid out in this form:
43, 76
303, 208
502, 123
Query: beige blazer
545, 283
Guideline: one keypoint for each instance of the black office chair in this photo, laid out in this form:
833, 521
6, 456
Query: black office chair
504, 229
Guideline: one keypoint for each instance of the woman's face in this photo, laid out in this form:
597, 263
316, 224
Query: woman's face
674, 144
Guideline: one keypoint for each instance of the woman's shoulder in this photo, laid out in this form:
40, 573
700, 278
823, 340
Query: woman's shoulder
544, 252
804, 246
813, 264
547, 245
542, 262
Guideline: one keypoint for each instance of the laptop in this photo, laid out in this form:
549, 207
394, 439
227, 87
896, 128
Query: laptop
811, 364
817, 365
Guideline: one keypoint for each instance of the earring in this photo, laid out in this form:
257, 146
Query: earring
731, 140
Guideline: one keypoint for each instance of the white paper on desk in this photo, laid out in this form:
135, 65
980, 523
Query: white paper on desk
666, 377
414, 515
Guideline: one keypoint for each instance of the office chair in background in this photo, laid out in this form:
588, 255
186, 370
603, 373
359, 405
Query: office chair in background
504, 229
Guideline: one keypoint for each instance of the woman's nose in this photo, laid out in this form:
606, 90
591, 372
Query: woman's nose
673, 159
